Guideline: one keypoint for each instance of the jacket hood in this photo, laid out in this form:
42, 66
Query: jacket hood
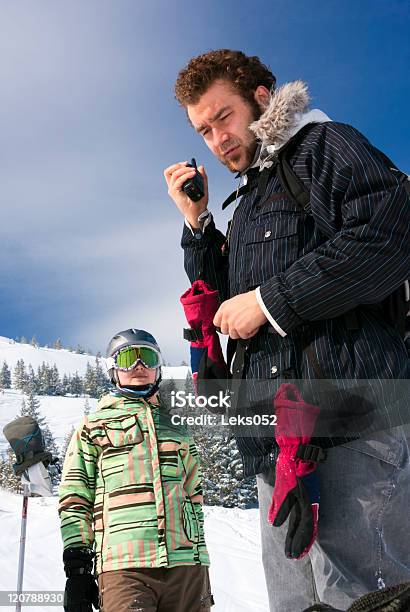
286, 113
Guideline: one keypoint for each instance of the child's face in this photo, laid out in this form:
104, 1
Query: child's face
140, 375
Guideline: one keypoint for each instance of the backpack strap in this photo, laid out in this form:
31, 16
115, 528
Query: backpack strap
294, 187
297, 191
236, 194
252, 182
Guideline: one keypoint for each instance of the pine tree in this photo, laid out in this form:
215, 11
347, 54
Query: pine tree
23, 340
54, 381
90, 381
8, 479
77, 386
5, 376
168, 388
103, 383
2, 472
20, 378
31, 407
32, 385
66, 442
43, 379
222, 471
23, 408
57, 344
80, 349
65, 385
34, 342
86, 408
189, 386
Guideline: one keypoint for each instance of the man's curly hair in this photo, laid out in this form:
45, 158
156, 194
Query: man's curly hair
244, 72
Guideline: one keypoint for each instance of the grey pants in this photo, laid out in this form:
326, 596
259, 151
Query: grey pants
363, 539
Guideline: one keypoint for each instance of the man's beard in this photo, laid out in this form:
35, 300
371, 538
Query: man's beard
245, 155
248, 149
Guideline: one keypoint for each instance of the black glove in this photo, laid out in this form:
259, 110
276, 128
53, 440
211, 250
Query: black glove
81, 589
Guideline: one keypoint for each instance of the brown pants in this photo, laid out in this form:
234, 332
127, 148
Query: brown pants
184, 588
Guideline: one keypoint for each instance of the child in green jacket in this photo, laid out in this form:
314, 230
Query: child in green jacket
131, 491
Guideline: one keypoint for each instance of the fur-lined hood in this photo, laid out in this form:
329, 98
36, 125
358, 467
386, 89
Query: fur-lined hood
285, 115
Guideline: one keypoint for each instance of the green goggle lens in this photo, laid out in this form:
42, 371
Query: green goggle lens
127, 357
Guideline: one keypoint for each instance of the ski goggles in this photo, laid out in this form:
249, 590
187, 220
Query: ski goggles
128, 357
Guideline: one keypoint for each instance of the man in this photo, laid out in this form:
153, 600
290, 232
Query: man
301, 291
131, 486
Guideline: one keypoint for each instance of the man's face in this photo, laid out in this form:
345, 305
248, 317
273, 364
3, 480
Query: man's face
222, 116
140, 375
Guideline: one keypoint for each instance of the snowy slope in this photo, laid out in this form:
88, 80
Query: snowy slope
232, 536
66, 362
61, 412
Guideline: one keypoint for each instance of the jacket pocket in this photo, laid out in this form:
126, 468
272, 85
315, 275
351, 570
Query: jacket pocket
271, 245
386, 446
272, 228
124, 432
190, 523
274, 204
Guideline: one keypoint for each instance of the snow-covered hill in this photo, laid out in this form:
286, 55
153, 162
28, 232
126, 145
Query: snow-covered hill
66, 361
61, 412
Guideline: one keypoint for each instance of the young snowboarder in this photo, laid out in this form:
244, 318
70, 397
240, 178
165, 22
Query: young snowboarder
131, 497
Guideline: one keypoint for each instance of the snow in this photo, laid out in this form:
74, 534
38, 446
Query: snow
232, 535
61, 412
66, 361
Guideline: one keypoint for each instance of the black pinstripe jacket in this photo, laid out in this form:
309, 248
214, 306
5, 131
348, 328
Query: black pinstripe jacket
308, 281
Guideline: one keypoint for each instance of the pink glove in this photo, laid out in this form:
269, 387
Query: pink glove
296, 491
200, 304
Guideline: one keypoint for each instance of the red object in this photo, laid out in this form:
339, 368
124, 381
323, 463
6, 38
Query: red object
296, 491
200, 304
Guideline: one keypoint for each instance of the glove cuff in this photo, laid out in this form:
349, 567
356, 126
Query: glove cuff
78, 561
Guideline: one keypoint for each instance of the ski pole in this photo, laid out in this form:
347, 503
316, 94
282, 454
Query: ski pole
26, 492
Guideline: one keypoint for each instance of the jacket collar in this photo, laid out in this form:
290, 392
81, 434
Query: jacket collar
286, 114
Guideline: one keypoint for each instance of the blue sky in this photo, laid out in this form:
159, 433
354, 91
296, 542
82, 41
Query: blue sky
89, 239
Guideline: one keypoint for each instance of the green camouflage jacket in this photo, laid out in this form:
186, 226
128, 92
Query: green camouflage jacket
131, 483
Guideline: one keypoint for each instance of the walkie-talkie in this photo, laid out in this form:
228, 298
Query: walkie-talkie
194, 187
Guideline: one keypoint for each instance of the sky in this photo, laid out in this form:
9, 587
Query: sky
89, 239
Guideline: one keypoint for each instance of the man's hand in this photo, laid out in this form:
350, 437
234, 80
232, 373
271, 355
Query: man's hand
240, 317
175, 176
